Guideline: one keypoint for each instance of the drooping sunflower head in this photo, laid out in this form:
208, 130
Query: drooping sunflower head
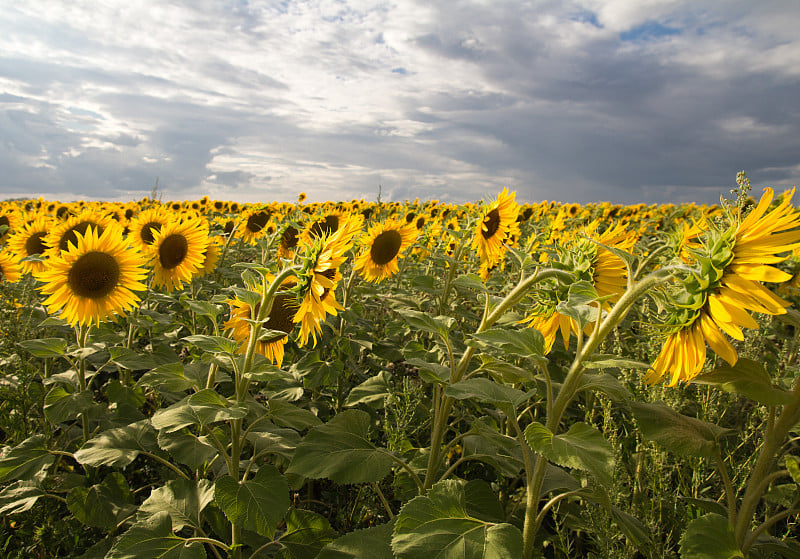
275, 328
497, 224
317, 281
383, 244
178, 252
94, 280
66, 233
29, 241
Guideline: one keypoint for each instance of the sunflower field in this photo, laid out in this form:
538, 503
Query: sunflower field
210, 379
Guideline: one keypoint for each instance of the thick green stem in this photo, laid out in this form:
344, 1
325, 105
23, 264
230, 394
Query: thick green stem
444, 405
773, 440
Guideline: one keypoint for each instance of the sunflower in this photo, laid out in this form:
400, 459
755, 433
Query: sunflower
329, 224
29, 240
65, 233
383, 244
9, 218
145, 225
289, 238
94, 280
495, 227
254, 223
587, 258
716, 299
317, 281
210, 258
9, 268
178, 252
280, 319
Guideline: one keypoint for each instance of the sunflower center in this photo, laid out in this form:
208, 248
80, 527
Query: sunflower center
289, 238
257, 221
330, 224
71, 235
492, 223
94, 275
2, 274
4, 221
385, 247
35, 243
281, 315
172, 251
147, 231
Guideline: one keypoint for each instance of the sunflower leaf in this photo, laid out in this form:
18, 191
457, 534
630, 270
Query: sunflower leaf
488, 391
183, 499
440, 325
61, 405
169, 377
678, 433
374, 542
201, 408
152, 538
20, 496
582, 447
213, 344
438, 525
374, 390
25, 460
306, 534
45, 347
102, 505
341, 451
258, 503
747, 378
527, 342
119, 446
709, 537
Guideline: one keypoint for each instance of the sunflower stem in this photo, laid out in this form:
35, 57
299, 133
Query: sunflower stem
444, 404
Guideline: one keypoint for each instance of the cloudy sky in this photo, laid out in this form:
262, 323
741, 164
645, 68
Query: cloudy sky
573, 100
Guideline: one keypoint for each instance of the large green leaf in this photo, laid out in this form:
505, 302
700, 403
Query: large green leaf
201, 408
579, 303
213, 344
440, 325
25, 460
494, 448
184, 500
709, 537
20, 496
527, 342
258, 503
488, 391
747, 378
119, 446
375, 543
607, 384
102, 505
291, 415
45, 347
502, 371
187, 448
63, 405
341, 451
152, 538
437, 526
582, 447
372, 391
681, 434
306, 534
168, 377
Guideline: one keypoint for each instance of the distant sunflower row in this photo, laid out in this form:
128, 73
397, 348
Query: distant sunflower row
94, 259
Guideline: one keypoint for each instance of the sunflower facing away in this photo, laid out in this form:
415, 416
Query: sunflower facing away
317, 281
716, 300
383, 244
496, 226
589, 261
178, 252
94, 280
280, 319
